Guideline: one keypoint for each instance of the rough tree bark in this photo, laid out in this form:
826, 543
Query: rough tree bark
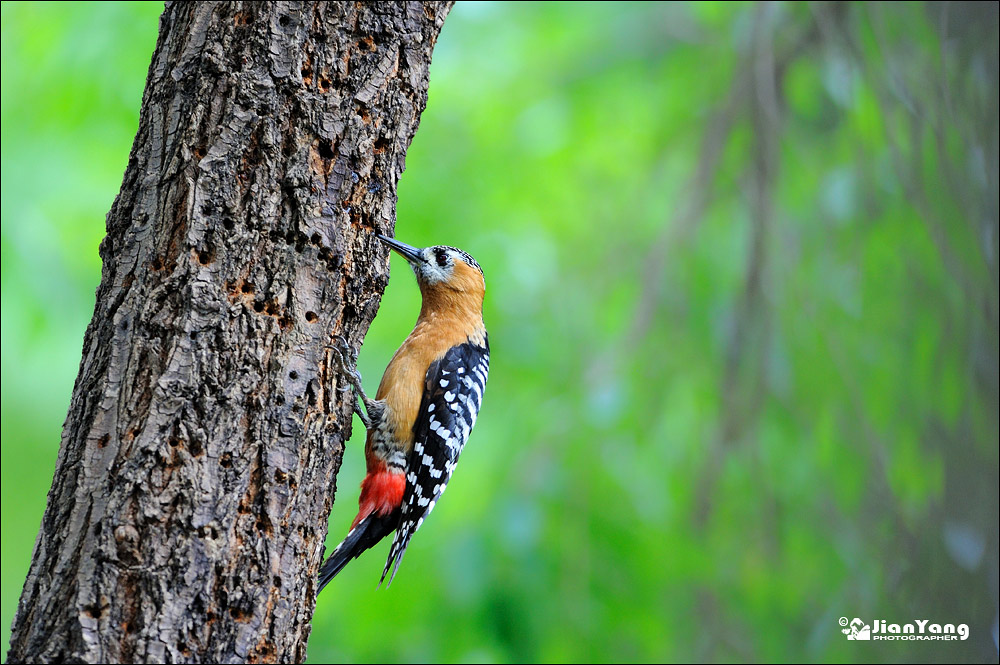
196, 472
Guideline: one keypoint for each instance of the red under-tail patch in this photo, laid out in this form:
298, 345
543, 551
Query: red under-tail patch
381, 492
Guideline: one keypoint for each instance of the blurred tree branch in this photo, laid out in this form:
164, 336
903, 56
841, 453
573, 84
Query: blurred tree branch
187, 515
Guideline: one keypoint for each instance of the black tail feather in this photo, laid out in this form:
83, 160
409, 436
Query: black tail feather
396, 552
366, 534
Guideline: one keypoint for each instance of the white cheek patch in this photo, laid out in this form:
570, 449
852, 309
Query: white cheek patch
429, 271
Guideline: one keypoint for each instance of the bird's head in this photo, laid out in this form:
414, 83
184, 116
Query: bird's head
442, 272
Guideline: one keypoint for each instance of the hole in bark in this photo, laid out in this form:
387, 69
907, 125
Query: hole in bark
258, 307
296, 409
238, 614
199, 152
279, 400
156, 264
93, 611
315, 239
271, 308
283, 21
205, 257
195, 447
174, 441
367, 43
324, 84
284, 323
363, 113
307, 74
293, 375
324, 253
228, 224
103, 441
381, 144
290, 237
325, 149
280, 476
247, 287
311, 317
226, 461
264, 524
277, 582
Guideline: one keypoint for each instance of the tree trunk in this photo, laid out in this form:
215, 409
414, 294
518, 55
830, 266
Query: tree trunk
187, 515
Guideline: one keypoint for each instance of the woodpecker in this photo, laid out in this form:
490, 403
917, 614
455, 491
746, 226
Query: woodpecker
425, 406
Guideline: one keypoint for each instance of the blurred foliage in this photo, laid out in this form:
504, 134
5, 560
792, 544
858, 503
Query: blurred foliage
743, 303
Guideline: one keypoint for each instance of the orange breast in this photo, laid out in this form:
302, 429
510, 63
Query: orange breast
403, 382
450, 314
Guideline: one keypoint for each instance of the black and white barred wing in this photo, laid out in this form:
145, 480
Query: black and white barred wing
453, 393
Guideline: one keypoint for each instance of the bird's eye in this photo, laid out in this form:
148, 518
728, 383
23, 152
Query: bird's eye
442, 257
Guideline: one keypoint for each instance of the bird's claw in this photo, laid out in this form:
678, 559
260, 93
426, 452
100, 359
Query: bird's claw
347, 359
348, 355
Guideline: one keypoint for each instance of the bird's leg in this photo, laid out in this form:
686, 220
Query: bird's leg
347, 361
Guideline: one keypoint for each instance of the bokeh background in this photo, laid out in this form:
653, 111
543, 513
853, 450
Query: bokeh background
743, 304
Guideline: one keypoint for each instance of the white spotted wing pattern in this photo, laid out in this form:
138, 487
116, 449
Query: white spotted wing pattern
453, 393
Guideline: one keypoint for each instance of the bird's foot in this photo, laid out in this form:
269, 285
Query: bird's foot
347, 361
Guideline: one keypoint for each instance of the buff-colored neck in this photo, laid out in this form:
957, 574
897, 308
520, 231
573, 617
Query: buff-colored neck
457, 302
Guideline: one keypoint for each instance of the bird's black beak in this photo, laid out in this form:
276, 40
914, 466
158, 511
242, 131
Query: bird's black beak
411, 254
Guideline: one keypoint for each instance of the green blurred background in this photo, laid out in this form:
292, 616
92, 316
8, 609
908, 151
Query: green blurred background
743, 303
